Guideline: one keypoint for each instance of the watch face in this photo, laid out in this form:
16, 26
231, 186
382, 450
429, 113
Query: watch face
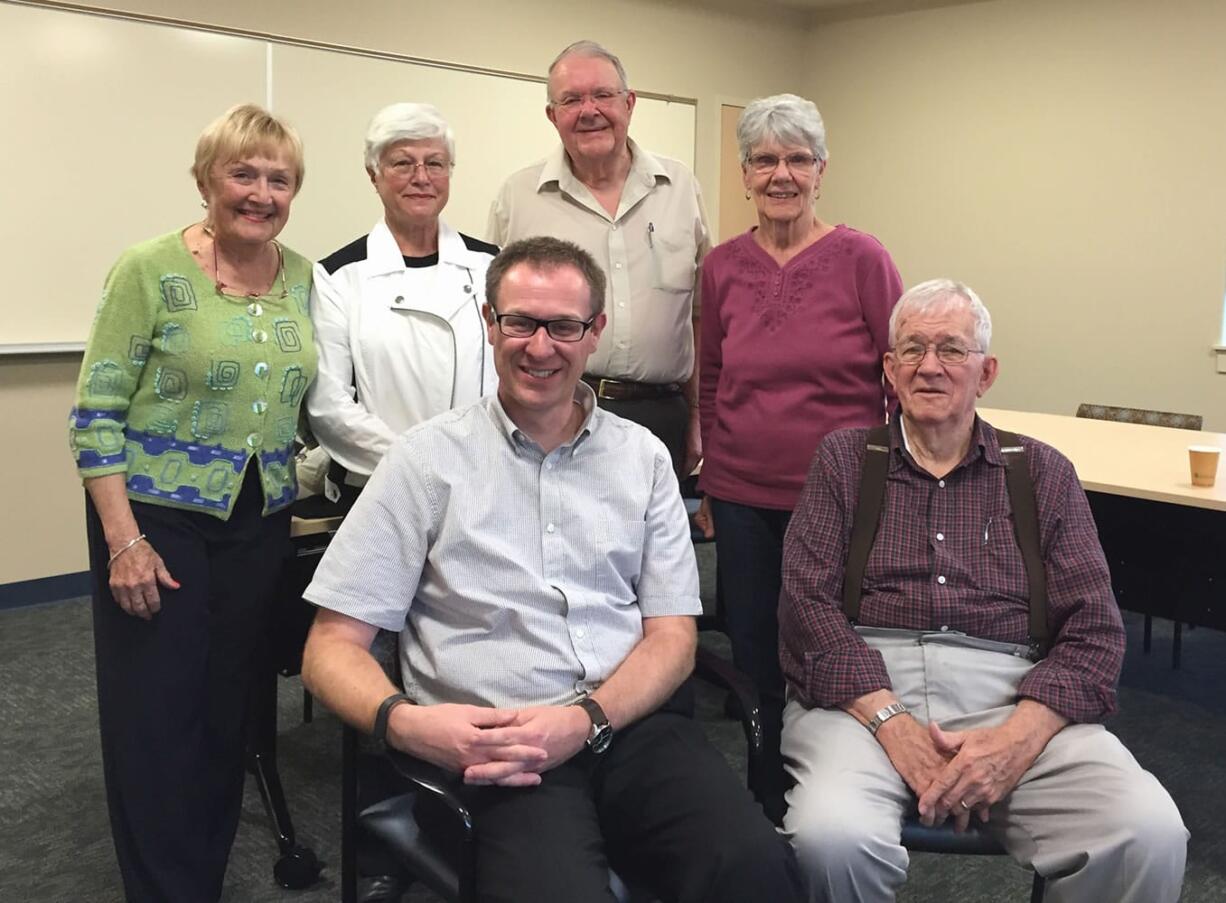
600, 738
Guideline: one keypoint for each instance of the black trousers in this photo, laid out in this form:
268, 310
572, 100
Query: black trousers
668, 418
173, 692
661, 807
749, 546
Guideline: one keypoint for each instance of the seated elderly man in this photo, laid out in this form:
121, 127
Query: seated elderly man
533, 552
919, 675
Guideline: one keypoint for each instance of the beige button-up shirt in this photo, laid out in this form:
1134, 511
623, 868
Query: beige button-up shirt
650, 251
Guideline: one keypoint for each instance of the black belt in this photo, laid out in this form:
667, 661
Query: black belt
621, 390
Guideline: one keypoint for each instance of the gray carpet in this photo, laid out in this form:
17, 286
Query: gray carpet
55, 843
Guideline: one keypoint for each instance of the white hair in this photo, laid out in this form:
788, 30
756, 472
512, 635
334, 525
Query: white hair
943, 293
592, 50
786, 118
405, 122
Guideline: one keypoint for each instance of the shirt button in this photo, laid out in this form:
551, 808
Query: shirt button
941, 483
940, 537
255, 309
941, 580
549, 528
549, 465
254, 440
621, 303
621, 344
944, 628
259, 336
261, 369
259, 406
580, 633
617, 266
615, 227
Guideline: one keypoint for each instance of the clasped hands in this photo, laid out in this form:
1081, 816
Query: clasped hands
507, 747
956, 773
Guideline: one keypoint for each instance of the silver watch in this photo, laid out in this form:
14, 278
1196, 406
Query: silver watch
884, 715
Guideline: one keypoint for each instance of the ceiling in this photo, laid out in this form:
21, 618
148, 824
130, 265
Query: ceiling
818, 11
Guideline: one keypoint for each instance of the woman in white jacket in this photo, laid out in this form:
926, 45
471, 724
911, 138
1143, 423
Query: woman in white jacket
397, 312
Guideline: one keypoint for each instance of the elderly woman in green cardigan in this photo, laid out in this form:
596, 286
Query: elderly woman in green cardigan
186, 409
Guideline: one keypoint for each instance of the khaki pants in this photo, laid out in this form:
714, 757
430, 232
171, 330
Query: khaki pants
1085, 814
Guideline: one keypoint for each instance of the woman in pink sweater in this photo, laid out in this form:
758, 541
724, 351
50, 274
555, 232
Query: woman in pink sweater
794, 326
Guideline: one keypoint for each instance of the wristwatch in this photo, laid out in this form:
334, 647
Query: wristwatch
601, 733
383, 715
884, 715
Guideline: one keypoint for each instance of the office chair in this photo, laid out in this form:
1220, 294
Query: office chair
449, 869
1120, 526
920, 838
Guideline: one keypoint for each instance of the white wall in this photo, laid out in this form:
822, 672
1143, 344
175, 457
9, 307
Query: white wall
1068, 161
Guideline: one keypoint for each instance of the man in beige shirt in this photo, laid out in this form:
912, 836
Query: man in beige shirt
641, 216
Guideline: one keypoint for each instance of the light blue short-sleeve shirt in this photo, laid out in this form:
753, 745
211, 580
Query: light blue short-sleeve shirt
515, 577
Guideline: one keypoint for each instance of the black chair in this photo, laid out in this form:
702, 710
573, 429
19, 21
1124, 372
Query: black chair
1121, 528
448, 869
920, 838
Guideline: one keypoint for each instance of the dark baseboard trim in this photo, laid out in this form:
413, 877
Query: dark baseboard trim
44, 589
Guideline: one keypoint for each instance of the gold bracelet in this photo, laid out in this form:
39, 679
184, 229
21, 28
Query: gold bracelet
125, 548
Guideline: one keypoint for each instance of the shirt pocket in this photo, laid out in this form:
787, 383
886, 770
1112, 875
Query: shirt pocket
673, 262
998, 567
617, 556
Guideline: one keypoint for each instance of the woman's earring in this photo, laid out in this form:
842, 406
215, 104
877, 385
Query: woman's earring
747, 194
204, 204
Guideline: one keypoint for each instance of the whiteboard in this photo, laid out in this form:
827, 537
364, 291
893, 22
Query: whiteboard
101, 117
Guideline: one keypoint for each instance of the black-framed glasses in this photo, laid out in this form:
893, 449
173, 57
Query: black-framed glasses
764, 163
572, 103
912, 353
563, 329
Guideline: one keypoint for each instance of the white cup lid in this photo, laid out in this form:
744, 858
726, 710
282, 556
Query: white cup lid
1212, 449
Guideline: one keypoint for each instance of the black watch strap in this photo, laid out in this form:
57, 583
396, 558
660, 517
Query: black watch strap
382, 716
601, 733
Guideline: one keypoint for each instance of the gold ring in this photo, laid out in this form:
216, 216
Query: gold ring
963, 804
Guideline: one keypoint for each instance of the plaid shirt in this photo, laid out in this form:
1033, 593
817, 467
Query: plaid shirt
945, 557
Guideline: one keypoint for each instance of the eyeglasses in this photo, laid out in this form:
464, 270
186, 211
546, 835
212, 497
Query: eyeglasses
764, 163
404, 168
563, 329
912, 353
572, 103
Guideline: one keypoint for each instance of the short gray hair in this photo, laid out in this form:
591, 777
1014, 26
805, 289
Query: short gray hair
405, 122
940, 293
786, 118
592, 50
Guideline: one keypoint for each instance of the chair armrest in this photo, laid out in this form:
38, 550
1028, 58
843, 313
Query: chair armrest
437, 782
722, 673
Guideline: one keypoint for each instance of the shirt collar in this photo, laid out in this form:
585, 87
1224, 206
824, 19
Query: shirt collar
556, 172
384, 255
983, 444
518, 439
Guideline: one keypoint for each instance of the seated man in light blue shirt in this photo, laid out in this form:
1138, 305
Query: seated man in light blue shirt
533, 552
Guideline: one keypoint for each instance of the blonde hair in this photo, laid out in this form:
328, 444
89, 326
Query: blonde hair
244, 130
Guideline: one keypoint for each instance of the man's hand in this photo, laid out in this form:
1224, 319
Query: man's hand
460, 737
558, 731
912, 752
693, 442
986, 763
703, 519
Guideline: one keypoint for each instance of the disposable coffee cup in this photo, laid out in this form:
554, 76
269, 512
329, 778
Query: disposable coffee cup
1203, 461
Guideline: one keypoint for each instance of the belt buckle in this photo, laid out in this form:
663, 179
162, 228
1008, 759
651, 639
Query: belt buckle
600, 392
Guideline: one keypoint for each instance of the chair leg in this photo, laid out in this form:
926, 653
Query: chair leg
1148, 637
349, 815
1038, 888
1177, 647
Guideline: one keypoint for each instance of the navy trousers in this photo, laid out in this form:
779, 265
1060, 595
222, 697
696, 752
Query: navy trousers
173, 692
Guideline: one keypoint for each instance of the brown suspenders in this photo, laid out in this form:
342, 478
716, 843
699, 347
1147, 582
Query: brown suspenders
1025, 527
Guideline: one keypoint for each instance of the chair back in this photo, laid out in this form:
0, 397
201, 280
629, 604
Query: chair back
1140, 415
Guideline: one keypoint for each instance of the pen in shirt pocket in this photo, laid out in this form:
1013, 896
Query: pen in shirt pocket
651, 232
987, 526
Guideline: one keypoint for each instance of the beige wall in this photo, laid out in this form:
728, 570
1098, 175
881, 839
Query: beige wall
676, 50
1067, 160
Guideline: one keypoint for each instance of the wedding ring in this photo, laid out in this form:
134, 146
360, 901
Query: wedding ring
963, 804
